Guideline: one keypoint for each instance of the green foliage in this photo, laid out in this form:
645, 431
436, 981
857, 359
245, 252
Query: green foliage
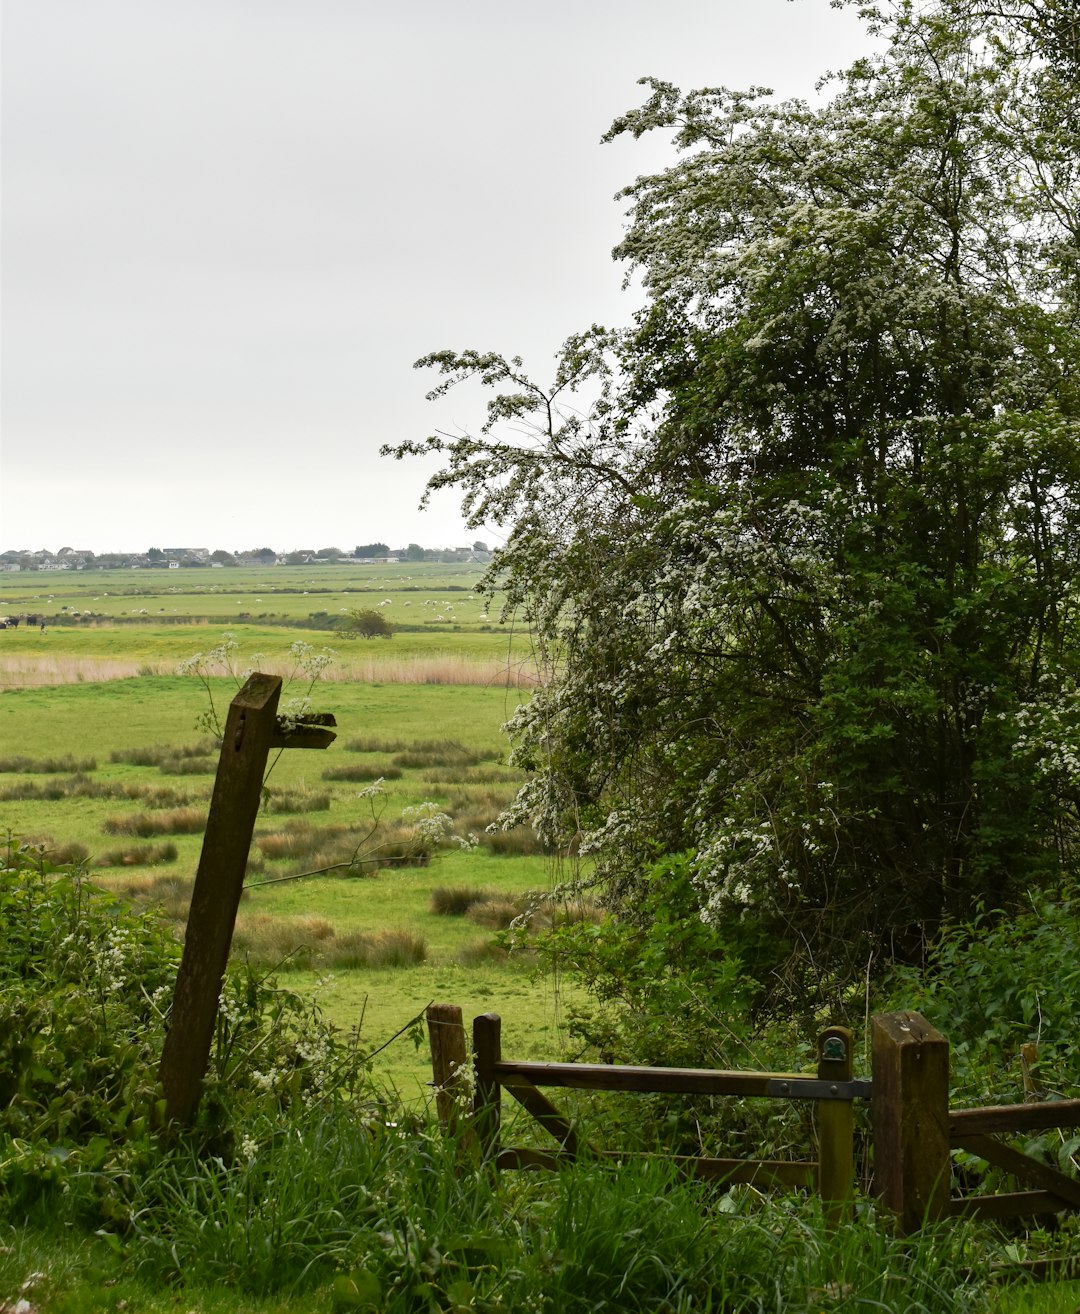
995, 983
665, 963
801, 567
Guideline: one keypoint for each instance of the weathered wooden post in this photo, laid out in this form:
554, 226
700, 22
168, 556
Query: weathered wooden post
449, 1060
251, 730
836, 1126
911, 1118
487, 1112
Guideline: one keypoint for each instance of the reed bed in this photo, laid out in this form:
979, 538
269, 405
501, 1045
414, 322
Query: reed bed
30, 672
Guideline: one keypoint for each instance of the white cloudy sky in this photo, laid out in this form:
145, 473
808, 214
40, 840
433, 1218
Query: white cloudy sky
230, 227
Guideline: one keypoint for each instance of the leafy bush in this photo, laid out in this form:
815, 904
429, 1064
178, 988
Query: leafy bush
366, 623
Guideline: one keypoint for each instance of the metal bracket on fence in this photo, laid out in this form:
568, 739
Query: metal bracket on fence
810, 1088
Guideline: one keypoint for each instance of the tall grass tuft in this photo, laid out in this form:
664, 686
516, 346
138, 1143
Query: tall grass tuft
301, 942
299, 839
156, 754
456, 900
369, 744
277, 801
48, 765
188, 766
138, 855
441, 753
363, 771
177, 821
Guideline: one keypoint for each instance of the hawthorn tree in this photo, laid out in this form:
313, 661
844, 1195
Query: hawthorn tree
805, 572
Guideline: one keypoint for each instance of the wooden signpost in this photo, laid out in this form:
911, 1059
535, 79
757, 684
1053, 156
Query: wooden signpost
251, 730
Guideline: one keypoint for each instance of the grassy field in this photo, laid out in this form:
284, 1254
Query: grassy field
106, 625
101, 757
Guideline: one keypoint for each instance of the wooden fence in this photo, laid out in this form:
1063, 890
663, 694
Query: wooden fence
831, 1172
914, 1130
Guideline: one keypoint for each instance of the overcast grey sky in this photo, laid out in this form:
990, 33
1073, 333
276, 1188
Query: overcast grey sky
230, 227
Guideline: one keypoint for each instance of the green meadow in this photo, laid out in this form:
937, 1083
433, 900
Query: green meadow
118, 772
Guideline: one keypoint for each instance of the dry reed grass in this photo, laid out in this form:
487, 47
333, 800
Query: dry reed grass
30, 672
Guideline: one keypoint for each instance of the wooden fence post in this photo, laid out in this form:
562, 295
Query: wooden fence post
448, 1063
836, 1126
911, 1118
487, 1112
249, 730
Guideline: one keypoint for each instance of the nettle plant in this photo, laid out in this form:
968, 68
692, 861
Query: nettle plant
86, 983
800, 549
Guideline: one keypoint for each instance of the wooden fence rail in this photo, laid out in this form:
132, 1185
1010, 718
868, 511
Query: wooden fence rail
914, 1130
832, 1088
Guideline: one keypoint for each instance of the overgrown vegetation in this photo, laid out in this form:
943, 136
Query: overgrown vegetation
299, 1182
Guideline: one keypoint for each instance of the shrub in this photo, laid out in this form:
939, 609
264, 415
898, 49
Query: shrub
365, 624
